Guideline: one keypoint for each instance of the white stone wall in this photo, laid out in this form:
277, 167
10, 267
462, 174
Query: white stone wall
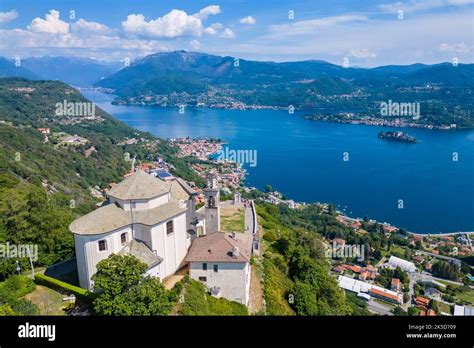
88, 254
172, 248
155, 272
233, 278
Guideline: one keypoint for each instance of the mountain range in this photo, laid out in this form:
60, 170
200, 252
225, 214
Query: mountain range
80, 72
192, 78
189, 66
203, 69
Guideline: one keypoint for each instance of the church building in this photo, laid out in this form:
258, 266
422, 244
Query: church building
144, 216
156, 221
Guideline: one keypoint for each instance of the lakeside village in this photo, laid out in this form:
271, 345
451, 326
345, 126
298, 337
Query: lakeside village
412, 273
418, 273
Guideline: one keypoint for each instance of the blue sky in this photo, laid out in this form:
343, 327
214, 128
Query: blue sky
365, 33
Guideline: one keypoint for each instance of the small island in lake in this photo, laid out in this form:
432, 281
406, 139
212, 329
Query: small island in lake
397, 136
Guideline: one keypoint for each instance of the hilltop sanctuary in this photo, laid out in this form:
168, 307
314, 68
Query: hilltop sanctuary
156, 221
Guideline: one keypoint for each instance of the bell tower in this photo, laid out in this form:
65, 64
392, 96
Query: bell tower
212, 208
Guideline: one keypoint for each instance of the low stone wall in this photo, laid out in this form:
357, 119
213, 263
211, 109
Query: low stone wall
256, 239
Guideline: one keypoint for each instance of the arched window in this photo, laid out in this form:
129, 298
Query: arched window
123, 238
102, 245
169, 227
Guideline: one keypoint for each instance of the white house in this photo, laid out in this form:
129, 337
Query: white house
463, 310
222, 262
404, 265
146, 217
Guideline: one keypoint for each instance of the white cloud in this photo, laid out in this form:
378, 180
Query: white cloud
52, 24
137, 37
83, 26
362, 53
310, 26
415, 39
6, 17
195, 44
208, 11
422, 5
173, 24
227, 34
213, 29
248, 20
458, 48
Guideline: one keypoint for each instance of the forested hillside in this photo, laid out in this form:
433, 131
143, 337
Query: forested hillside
191, 78
45, 184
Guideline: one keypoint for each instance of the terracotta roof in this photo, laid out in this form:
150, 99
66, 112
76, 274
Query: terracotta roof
355, 269
217, 247
339, 268
384, 294
139, 185
422, 300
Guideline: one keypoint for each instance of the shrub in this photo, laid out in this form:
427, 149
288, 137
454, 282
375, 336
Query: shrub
406, 297
195, 302
176, 291
5, 309
15, 287
222, 306
24, 307
198, 302
269, 236
56, 284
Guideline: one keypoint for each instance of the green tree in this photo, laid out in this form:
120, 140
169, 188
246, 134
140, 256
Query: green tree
124, 290
434, 306
150, 298
399, 311
303, 299
406, 297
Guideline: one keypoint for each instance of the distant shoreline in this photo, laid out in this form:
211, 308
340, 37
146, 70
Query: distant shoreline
246, 184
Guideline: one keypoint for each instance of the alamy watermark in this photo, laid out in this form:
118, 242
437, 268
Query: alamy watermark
346, 251
8, 250
75, 109
239, 156
400, 109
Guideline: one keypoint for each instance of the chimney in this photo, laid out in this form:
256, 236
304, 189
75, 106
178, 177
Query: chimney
235, 252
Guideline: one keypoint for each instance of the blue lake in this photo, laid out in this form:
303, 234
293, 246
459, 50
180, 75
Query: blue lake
304, 160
